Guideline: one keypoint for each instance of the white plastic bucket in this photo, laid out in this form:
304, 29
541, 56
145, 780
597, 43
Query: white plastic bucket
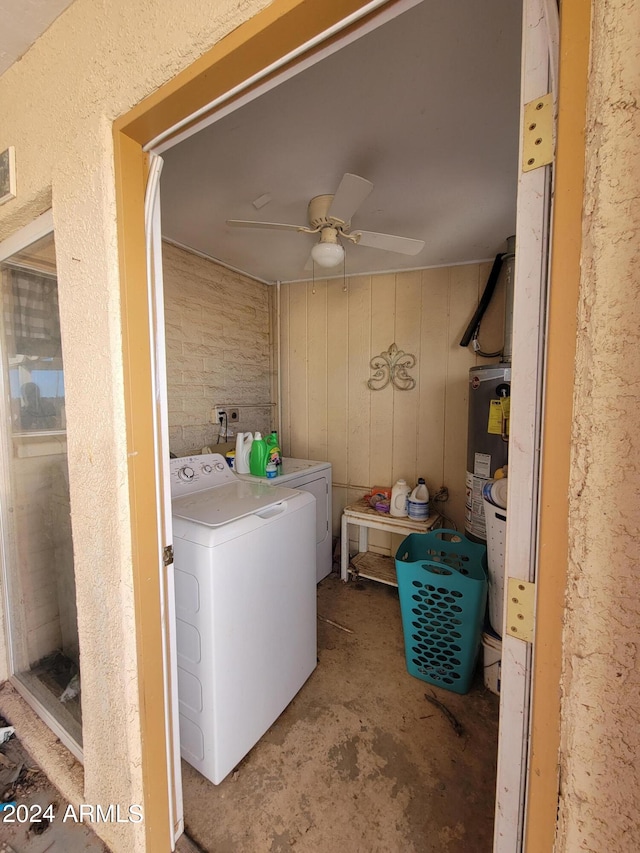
496, 519
492, 662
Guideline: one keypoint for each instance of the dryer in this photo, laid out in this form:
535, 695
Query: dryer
312, 476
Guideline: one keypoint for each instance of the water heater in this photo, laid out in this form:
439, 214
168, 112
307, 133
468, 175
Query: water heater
489, 398
487, 440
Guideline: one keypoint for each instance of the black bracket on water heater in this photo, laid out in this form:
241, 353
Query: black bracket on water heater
485, 299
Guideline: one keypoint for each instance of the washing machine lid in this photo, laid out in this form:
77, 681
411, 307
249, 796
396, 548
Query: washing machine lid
292, 467
225, 504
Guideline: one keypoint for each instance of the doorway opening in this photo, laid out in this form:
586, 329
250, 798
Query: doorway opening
299, 334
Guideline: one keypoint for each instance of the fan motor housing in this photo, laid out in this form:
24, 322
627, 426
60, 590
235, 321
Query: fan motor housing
317, 213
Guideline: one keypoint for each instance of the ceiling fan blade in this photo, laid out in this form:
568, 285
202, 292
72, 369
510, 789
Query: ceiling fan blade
248, 223
349, 196
389, 243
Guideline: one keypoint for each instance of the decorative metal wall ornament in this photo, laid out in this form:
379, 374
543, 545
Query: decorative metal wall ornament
391, 367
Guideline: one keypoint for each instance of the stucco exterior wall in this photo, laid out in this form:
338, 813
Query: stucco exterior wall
57, 105
600, 776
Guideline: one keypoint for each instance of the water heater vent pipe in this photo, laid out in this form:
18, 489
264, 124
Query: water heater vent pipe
506, 259
509, 263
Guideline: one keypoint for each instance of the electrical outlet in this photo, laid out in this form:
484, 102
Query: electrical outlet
234, 415
218, 414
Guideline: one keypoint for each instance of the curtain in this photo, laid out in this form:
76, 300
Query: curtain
31, 314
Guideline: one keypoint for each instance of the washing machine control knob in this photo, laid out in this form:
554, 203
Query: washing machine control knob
186, 473
207, 469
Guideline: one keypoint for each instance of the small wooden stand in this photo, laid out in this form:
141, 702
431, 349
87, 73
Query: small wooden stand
366, 564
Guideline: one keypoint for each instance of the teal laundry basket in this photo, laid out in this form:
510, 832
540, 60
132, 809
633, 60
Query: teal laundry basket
442, 582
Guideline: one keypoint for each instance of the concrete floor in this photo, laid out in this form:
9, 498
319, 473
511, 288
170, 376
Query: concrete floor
359, 761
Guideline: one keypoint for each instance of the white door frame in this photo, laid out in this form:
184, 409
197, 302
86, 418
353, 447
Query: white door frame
539, 58
155, 295
529, 321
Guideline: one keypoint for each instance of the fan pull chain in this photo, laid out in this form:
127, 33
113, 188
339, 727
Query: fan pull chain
313, 277
344, 273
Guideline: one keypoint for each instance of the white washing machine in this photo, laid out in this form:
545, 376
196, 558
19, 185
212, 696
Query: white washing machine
245, 592
310, 476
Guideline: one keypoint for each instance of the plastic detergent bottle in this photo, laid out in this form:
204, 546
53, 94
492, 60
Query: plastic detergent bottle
399, 494
418, 504
244, 441
258, 456
274, 455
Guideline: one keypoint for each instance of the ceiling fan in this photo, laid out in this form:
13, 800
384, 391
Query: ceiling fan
330, 216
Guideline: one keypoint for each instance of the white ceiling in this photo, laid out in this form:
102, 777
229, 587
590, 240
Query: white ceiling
426, 107
24, 21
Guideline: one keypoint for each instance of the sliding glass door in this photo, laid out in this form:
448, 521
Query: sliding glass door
36, 524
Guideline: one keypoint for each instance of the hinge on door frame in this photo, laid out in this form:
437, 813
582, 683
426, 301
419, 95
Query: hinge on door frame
537, 133
521, 609
167, 555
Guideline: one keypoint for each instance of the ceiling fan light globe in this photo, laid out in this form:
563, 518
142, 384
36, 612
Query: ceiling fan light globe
327, 254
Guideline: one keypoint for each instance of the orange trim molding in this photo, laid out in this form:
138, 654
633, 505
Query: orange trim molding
543, 779
273, 33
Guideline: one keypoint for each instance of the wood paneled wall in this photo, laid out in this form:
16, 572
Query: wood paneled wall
374, 437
